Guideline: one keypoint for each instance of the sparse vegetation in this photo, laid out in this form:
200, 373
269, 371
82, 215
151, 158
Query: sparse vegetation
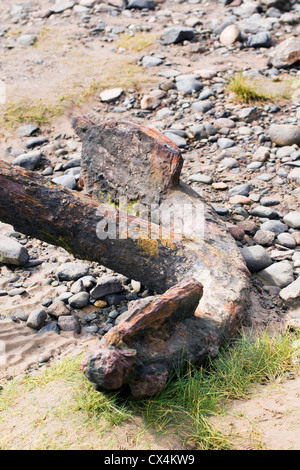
41, 113
136, 43
185, 407
245, 90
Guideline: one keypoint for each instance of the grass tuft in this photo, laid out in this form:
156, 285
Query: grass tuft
245, 91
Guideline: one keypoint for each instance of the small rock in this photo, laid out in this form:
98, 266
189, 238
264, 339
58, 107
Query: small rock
230, 35
69, 323
256, 257
106, 286
262, 39
291, 294
79, 300
69, 181
29, 161
50, 327
292, 219
225, 143
178, 34
284, 134
12, 252
151, 61
37, 319
58, 308
72, 271
274, 226
264, 237
27, 39
278, 274
111, 94
286, 239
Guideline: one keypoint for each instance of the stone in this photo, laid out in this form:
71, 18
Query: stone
150, 102
37, 319
58, 308
262, 39
294, 176
264, 237
284, 134
230, 35
29, 161
247, 114
79, 300
12, 252
51, 327
72, 271
236, 232
69, 181
177, 139
291, 294
69, 323
200, 178
35, 142
177, 34
151, 61
264, 212
292, 219
141, 4
106, 286
286, 53
136, 285
286, 239
188, 85
202, 131
111, 94
242, 189
61, 5
28, 130
274, 226
238, 199
261, 154
27, 39
280, 4
278, 274
225, 143
202, 106
256, 257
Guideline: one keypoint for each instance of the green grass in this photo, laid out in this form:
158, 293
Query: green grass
185, 407
245, 90
41, 113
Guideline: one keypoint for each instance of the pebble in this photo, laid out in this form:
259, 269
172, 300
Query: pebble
79, 300
291, 294
278, 274
284, 134
69, 323
177, 34
111, 94
72, 271
256, 257
274, 226
225, 143
36, 319
12, 252
286, 239
292, 219
264, 237
29, 161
